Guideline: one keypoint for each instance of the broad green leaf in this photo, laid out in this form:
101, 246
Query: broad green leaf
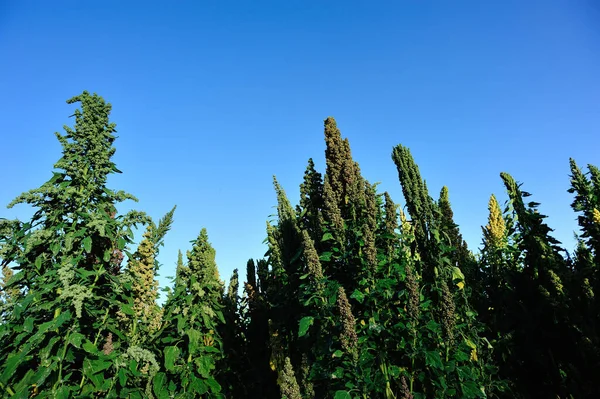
205, 365
211, 349
326, 256
194, 339
470, 343
342, 395
122, 377
433, 359
127, 309
62, 318
457, 274
338, 373
337, 353
158, 385
358, 295
87, 244
10, 366
470, 389
48, 350
75, 339
432, 325
68, 242
63, 392
198, 387
171, 354
305, 323
214, 385
55, 248
99, 365
89, 347
327, 237
28, 325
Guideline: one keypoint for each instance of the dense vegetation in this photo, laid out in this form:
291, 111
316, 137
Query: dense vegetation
355, 298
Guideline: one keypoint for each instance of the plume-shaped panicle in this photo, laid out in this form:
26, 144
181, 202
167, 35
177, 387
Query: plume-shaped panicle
448, 309
287, 382
412, 289
391, 224
348, 336
494, 232
312, 260
144, 285
332, 211
7, 294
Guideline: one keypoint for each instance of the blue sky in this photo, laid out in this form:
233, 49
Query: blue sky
213, 98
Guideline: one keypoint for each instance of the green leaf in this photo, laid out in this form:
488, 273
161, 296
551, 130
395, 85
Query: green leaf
75, 339
358, 295
171, 354
122, 377
214, 385
457, 274
68, 242
338, 373
48, 350
63, 392
326, 256
305, 323
432, 325
55, 248
198, 387
433, 359
470, 343
99, 365
194, 339
28, 325
89, 347
38, 262
470, 389
337, 353
327, 237
10, 366
205, 365
342, 395
127, 309
159, 385
87, 244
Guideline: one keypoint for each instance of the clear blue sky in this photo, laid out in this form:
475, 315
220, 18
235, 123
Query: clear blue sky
212, 98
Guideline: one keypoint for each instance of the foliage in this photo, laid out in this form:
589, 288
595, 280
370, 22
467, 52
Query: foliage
189, 342
356, 297
62, 337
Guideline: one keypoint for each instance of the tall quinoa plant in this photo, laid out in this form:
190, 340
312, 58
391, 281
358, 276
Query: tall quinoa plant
61, 337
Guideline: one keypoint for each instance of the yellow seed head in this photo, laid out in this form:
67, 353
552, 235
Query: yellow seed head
496, 228
596, 216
